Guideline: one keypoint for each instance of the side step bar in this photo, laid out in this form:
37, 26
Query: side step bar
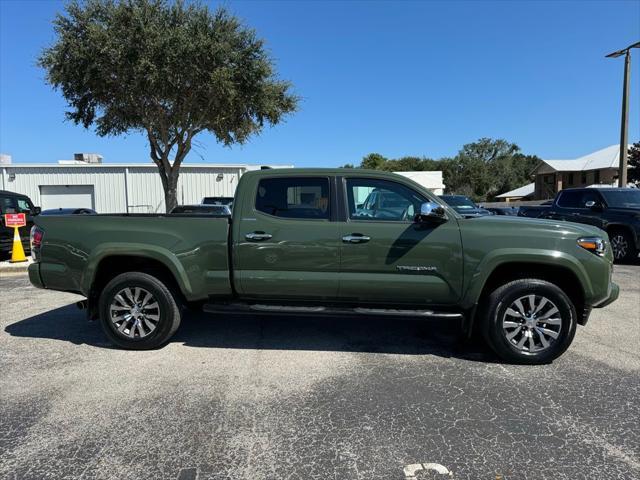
292, 309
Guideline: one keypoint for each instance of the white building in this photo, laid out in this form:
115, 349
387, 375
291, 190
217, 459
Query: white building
117, 188
431, 180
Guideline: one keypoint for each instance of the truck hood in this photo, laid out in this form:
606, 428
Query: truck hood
625, 211
539, 225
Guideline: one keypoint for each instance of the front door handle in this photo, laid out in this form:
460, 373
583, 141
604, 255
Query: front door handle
257, 236
355, 238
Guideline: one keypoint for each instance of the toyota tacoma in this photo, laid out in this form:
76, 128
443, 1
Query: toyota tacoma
300, 241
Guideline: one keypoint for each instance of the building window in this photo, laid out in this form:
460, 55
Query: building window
570, 180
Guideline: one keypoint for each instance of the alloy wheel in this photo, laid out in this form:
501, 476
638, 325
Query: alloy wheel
619, 246
532, 323
134, 313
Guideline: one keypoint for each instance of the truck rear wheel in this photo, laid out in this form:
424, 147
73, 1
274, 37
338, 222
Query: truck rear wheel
138, 311
529, 321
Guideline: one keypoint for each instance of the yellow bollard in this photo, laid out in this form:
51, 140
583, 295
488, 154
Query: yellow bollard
17, 252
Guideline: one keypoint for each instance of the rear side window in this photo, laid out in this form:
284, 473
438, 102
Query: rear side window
8, 205
294, 197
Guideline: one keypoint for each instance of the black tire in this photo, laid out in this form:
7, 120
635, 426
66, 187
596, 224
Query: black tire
494, 311
167, 311
622, 245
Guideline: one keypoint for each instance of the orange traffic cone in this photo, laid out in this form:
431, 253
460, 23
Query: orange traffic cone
17, 252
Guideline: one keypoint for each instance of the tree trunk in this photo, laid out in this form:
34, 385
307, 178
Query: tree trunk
169, 173
171, 189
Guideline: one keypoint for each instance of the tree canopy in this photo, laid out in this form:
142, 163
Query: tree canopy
167, 69
480, 170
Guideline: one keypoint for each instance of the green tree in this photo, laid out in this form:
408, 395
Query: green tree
633, 173
169, 70
481, 170
374, 161
489, 167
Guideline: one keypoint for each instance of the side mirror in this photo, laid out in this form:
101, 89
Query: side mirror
430, 213
595, 206
36, 211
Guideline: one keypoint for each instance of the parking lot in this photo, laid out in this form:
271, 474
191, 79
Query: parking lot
269, 397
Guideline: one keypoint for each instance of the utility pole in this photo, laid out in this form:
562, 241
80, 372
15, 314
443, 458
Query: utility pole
624, 122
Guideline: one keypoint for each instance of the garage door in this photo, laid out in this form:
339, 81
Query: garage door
66, 196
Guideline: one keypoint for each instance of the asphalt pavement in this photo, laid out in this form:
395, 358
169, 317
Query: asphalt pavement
271, 397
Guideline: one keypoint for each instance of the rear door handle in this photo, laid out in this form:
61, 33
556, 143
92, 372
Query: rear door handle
257, 236
355, 238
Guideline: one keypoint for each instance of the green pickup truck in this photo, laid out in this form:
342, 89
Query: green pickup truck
303, 241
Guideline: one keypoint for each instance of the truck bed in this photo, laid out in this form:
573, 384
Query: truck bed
194, 248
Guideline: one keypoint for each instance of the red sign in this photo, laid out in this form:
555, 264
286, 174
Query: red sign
15, 219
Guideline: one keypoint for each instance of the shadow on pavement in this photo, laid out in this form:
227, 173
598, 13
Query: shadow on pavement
412, 336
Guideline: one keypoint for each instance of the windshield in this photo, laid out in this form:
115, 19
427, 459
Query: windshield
459, 202
622, 198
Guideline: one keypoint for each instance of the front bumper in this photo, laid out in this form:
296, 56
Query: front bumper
614, 291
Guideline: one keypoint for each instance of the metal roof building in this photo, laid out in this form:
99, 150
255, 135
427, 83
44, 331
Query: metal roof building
118, 188
600, 167
518, 193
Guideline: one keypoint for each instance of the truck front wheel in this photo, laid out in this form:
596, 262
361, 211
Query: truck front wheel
528, 321
138, 311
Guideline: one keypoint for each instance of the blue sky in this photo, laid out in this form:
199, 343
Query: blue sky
398, 78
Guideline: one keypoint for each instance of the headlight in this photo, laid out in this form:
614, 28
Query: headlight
593, 244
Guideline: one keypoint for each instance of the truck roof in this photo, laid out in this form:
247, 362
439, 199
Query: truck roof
601, 189
317, 171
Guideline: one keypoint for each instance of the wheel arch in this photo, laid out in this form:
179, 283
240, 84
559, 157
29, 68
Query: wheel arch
110, 266
563, 277
572, 281
612, 227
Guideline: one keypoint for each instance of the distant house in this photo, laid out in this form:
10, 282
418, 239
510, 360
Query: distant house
522, 193
597, 168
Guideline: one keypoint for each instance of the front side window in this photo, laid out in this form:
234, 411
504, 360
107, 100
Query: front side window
294, 197
578, 199
570, 199
381, 200
24, 206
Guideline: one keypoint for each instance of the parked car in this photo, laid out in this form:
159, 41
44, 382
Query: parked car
69, 211
298, 244
512, 211
534, 211
615, 210
203, 210
11, 202
465, 206
228, 201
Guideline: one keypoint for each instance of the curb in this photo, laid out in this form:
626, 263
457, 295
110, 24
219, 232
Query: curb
8, 267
